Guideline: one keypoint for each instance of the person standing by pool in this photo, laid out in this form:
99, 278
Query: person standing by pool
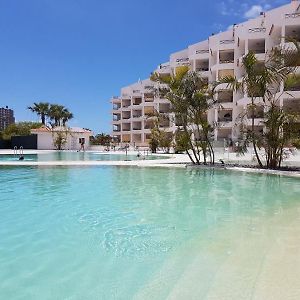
82, 142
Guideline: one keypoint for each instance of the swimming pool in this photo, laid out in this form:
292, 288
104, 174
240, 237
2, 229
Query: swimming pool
78, 156
147, 233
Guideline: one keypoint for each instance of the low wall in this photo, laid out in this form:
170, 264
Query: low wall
27, 142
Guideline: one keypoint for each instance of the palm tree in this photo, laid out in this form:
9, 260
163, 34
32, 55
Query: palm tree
264, 80
191, 98
41, 109
59, 115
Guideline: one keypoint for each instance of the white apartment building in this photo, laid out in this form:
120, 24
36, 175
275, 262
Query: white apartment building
221, 54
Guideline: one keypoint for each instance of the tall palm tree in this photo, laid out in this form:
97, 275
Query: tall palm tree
59, 115
263, 80
191, 97
41, 109
66, 116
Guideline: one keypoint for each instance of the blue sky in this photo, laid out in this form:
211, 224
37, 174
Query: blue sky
79, 53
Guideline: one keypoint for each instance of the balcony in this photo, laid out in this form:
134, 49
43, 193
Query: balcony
137, 126
149, 97
225, 96
126, 103
257, 46
149, 111
225, 116
225, 73
137, 101
226, 57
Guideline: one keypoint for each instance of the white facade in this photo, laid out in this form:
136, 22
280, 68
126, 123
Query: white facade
218, 56
46, 137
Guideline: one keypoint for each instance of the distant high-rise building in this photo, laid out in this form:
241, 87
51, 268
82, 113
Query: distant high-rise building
6, 117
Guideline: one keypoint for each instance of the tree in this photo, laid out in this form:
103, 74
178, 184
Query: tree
59, 115
264, 80
101, 139
191, 97
41, 109
20, 128
60, 138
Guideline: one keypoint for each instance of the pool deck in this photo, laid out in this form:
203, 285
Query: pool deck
171, 160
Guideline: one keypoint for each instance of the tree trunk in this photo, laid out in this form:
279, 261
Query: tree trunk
253, 136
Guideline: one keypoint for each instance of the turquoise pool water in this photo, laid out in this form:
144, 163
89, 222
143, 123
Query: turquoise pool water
76, 156
138, 233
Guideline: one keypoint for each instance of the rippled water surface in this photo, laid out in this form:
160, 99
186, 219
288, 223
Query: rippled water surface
124, 233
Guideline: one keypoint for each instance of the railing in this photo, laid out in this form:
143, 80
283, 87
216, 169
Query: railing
126, 118
292, 16
148, 87
116, 130
137, 128
225, 119
292, 88
125, 105
137, 103
227, 61
201, 51
137, 116
229, 100
202, 69
258, 51
257, 29
225, 42
164, 67
182, 59
116, 107
136, 91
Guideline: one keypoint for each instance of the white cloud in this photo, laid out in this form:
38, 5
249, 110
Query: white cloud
246, 8
253, 12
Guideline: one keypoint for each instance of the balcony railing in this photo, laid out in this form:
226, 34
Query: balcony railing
201, 51
137, 128
126, 117
182, 59
257, 29
225, 119
116, 130
258, 51
136, 116
227, 61
292, 16
202, 69
226, 42
292, 88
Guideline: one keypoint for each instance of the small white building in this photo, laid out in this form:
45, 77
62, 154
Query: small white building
70, 138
